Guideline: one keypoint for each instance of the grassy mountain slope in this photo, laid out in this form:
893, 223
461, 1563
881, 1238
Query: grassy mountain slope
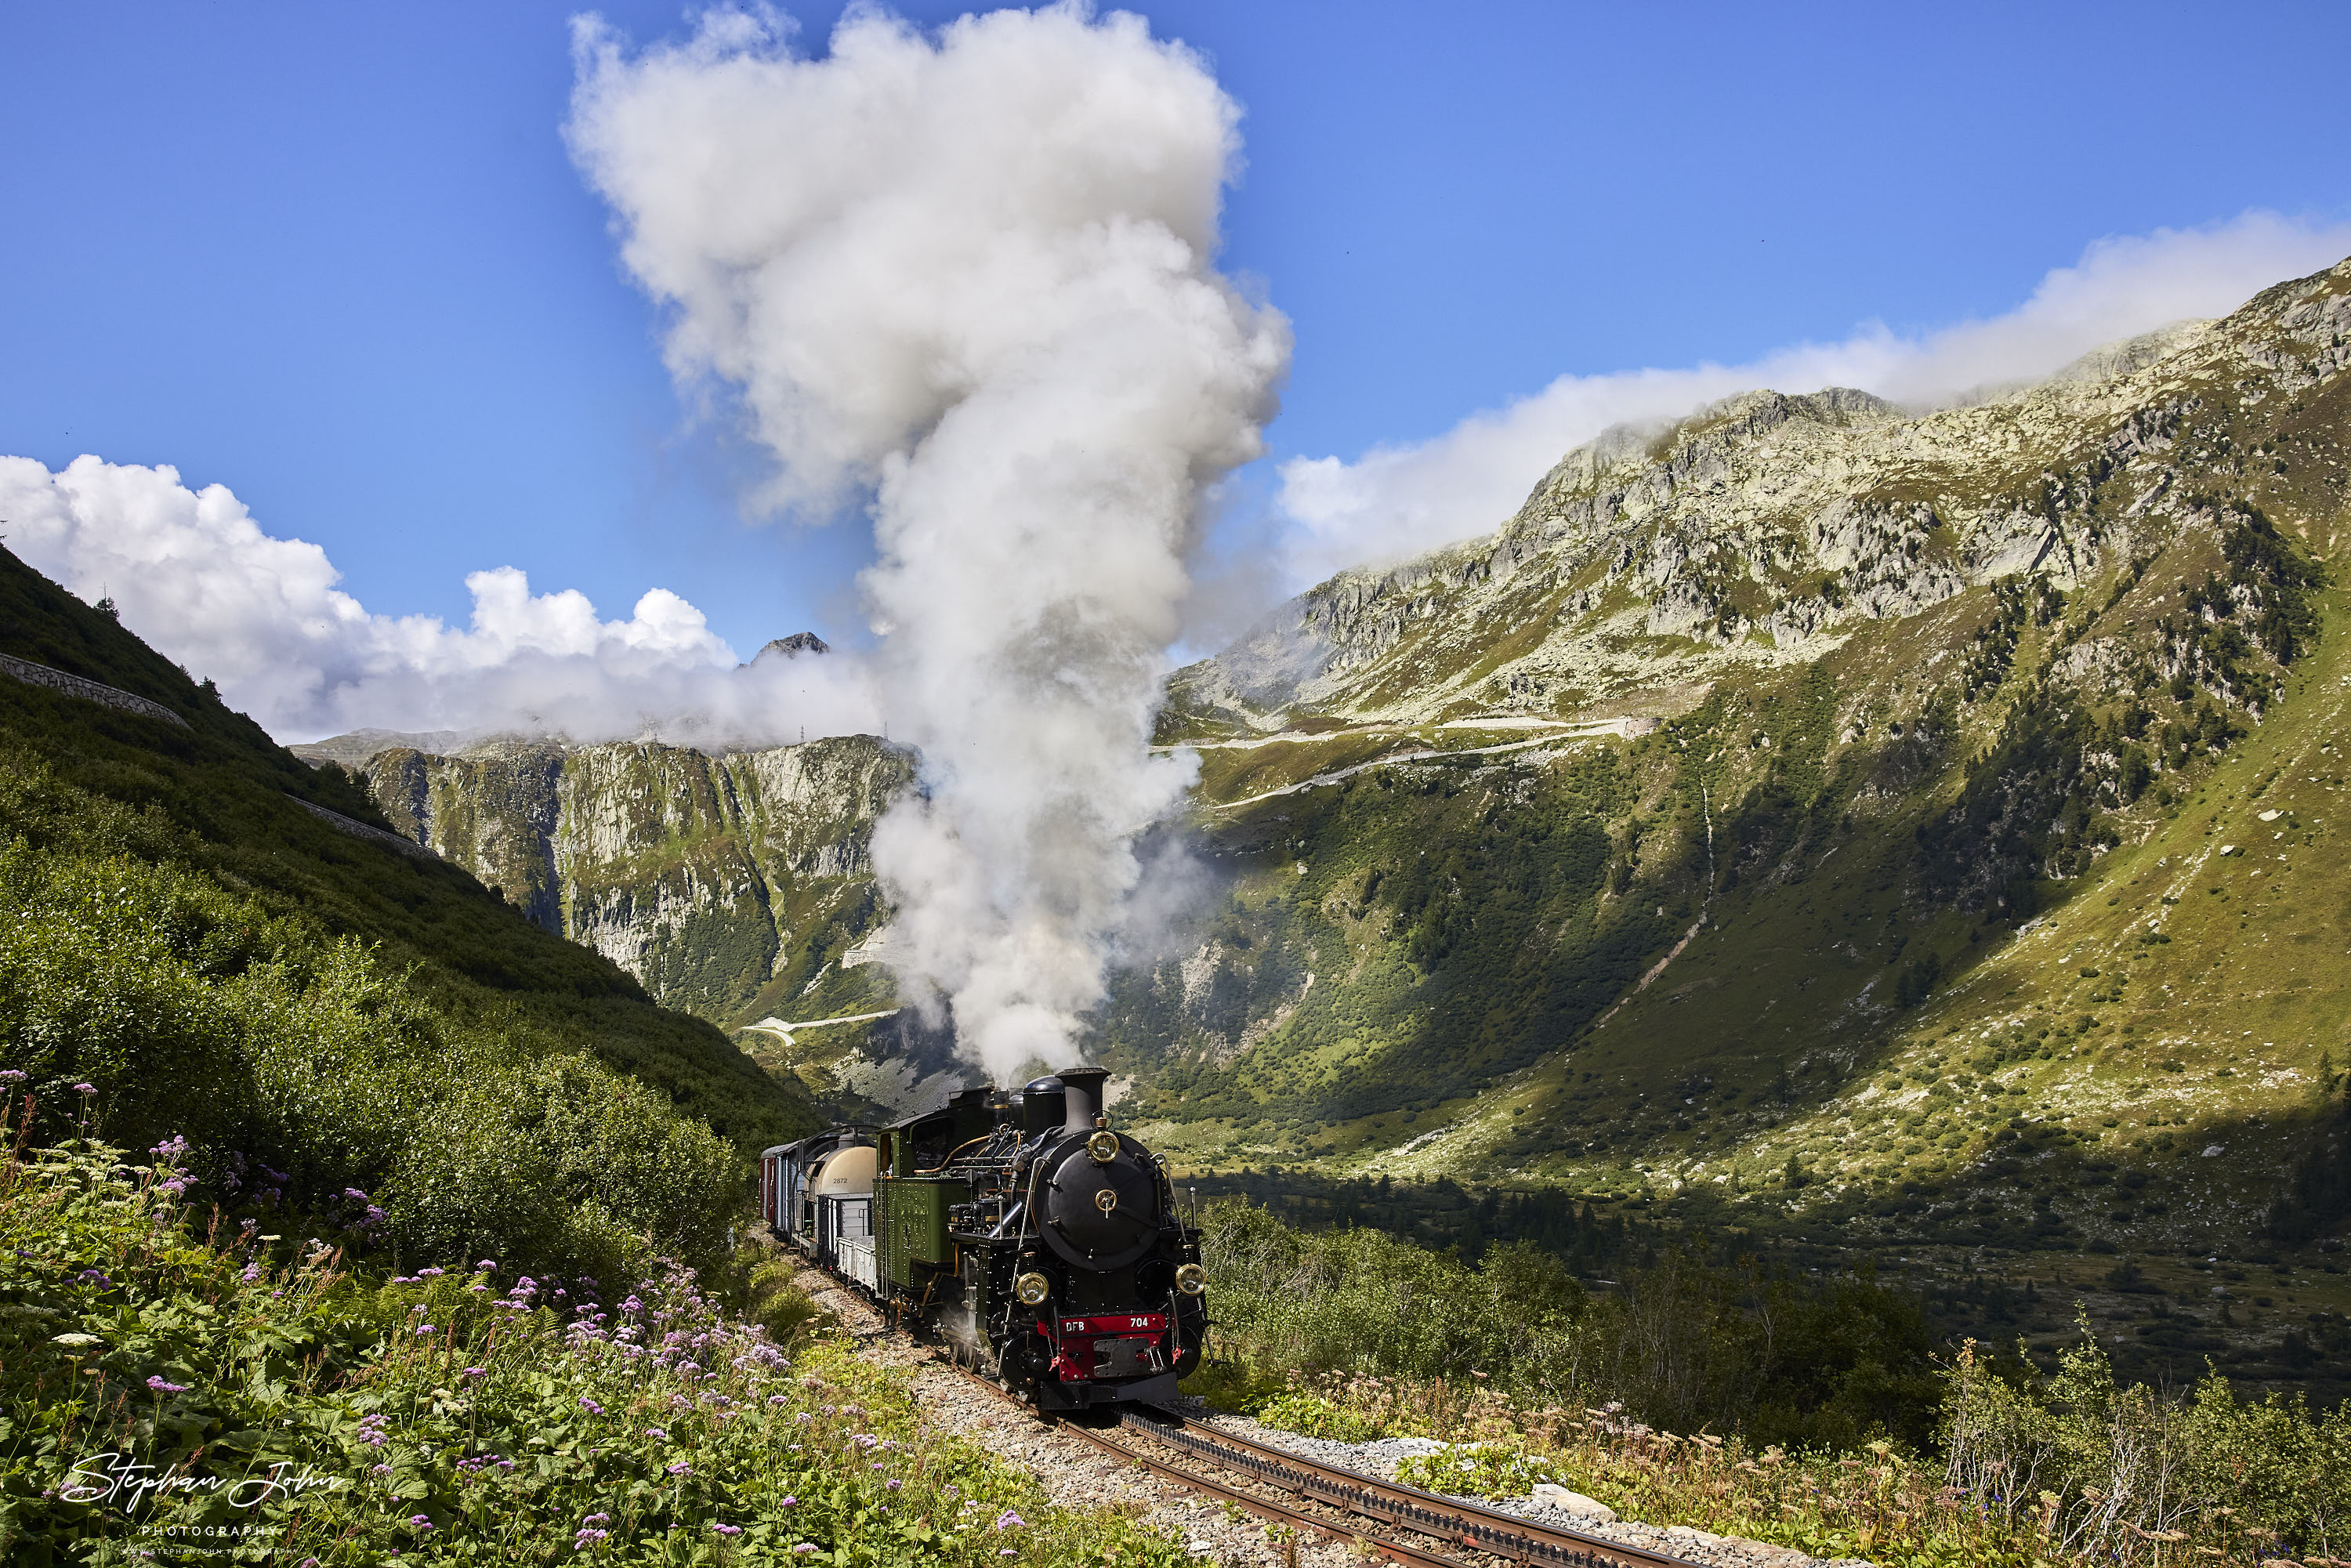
314, 1009
1951, 708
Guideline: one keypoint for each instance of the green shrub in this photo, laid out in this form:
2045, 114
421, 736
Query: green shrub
1475, 1470
1314, 1416
1683, 1343
2113, 1463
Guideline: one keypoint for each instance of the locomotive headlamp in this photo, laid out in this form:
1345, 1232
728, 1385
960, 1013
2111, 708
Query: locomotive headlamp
1032, 1288
1104, 1146
1191, 1279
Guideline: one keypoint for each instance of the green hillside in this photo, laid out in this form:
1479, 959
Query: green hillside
1972, 890
315, 1011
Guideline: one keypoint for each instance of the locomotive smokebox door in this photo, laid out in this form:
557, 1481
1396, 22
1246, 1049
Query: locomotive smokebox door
1100, 1214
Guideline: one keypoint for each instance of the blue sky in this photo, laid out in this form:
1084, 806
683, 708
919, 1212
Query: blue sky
337, 258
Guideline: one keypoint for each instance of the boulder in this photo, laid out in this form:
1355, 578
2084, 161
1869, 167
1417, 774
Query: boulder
1554, 1496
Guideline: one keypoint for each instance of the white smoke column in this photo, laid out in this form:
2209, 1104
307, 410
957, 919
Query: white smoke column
971, 271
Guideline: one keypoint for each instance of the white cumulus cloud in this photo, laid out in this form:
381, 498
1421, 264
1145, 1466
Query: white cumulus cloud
194, 573
1395, 501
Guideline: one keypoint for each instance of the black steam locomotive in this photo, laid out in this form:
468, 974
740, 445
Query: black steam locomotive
1044, 1248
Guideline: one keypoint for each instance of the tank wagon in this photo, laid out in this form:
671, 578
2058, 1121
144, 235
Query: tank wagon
1045, 1249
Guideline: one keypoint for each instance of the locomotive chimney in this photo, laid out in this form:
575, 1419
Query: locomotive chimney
1083, 1087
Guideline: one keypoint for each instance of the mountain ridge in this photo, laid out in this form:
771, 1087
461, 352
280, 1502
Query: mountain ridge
1883, 518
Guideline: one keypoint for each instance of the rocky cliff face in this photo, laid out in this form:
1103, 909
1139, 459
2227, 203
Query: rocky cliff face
1767, 529
728, 885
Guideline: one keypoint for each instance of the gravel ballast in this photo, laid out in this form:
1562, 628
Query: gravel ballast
1074, 1473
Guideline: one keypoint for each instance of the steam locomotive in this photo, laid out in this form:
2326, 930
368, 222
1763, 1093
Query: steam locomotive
1043, 1248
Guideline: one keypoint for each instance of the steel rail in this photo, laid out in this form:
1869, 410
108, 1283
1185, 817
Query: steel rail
1264, 1507
1484, 1530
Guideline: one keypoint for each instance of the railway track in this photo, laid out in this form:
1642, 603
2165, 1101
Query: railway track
1401, 1523
1389, 1518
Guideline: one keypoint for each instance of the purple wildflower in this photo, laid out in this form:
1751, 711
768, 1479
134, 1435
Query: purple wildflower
160, 1387
85, 1088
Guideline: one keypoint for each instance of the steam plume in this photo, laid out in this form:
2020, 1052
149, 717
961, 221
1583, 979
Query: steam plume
969, 275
